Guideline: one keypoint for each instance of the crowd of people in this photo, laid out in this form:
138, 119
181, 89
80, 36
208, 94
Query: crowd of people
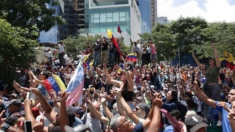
120, 95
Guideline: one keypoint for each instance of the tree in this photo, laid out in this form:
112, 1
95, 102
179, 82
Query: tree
164, 41
30, 13
145, 36
15, 50
221, 34
187, 31
76, 44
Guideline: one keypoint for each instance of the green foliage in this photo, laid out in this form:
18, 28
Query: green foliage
16, 50
221, 34
192, 34
29, 13
76, 44
145, 36
187, 31
164, 42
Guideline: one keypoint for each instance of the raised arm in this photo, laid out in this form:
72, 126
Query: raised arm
28, 112
197, 62
156, 120
203, 97
217, 60
109, 80
49, 113
97, 114
35, 78
64, 120
127, 109
106, 109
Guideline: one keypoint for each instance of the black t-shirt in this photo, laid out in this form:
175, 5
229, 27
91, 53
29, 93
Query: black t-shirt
54, 129
139, 128
105, 46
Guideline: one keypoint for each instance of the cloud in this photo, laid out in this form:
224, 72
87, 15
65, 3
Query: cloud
215, 10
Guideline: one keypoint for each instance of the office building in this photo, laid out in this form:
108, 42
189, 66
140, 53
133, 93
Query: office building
51, 36
153, 12
162, 20
145, 11
103, 15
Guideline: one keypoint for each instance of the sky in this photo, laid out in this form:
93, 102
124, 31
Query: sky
211, 10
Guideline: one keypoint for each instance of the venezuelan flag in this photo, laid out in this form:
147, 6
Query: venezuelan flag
114, 41
228, 60
54, 84
132, 57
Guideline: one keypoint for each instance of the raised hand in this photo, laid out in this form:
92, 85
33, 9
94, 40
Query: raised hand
39, 126
63, 96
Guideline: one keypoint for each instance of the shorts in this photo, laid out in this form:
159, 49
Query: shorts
153, 56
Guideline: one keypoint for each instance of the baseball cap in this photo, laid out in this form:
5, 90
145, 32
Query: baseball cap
98, 40
15, 102
70, 113
139, 98
78, 128
136, 91
78, 110
145, 107
195, 122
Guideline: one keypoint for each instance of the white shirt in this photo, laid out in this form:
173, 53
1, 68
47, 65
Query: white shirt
61, 48
49, 54
140, 48
66, 57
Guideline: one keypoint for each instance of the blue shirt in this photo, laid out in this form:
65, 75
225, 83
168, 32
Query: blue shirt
169, 129
139, 128
42, 90
225, 122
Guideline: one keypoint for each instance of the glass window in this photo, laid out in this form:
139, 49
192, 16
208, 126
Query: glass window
96, 15
110, 19
96, 20
102, 17
122, 14
109, 15
115, 16
103, 30
122, 19
95, 30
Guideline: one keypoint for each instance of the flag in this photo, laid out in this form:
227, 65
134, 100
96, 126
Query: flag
114, 41
75, 86
228, 60
84, 58
227, 57
54, 83
132, 57
119, 28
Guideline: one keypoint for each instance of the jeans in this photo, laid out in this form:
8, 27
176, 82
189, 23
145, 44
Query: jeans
111, 58
212, 92
97, 56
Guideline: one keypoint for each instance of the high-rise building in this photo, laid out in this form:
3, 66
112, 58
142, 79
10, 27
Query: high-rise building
145, 11
103, 15
162, 20
154, 12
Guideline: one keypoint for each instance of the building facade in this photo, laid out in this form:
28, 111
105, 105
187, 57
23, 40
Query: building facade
162, 20
145, 11
103, 15
154, 12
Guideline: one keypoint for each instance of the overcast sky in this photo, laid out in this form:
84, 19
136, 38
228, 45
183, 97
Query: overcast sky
211, 10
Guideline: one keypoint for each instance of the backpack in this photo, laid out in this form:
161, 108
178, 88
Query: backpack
183, 110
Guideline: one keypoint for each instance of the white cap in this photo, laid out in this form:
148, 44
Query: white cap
98, 39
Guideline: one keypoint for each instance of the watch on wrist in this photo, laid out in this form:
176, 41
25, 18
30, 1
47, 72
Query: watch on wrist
5, 127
